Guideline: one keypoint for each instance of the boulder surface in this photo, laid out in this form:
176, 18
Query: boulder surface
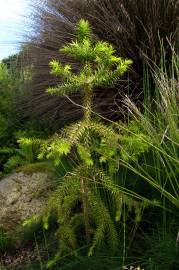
22, 196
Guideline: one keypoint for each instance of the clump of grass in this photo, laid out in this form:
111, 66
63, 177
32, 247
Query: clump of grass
160, 123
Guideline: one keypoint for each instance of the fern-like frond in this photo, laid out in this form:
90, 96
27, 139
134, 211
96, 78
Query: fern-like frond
30, 141
122, 196
60, 70
13, 162
104, 75
65, 88
105, 228
67, 238
75, 132
105, 132
69, 186
85, 154
80, 51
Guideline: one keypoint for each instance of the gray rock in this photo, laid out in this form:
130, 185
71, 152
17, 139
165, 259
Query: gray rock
22, 196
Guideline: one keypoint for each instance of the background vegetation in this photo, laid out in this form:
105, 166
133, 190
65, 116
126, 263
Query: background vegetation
114, 147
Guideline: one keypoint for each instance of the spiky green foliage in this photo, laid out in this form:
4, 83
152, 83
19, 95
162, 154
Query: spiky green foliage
78, 202
100, 66
66, 197
67, 204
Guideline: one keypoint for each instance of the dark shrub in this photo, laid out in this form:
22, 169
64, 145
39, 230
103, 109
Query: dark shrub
136, 28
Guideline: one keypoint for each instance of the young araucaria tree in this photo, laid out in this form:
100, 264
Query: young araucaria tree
99, 66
